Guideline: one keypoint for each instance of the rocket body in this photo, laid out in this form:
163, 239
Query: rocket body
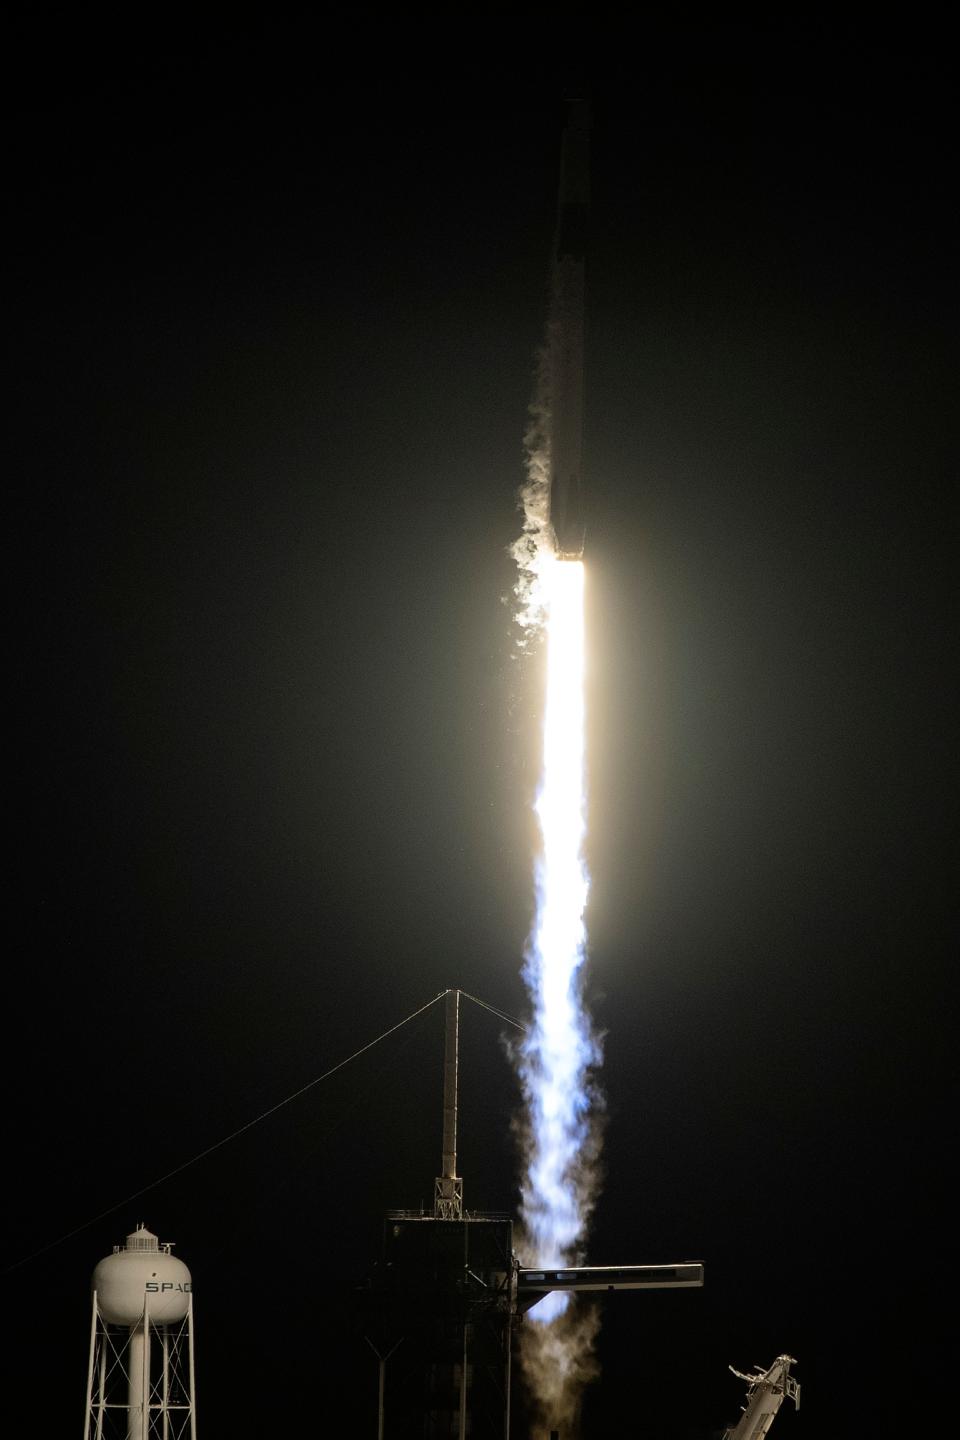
566, 336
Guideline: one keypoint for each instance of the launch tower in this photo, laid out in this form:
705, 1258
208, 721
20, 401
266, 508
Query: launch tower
442, 1303
439, 1305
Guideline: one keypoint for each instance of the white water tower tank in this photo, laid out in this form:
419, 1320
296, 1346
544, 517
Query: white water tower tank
142, 1271
140, 1380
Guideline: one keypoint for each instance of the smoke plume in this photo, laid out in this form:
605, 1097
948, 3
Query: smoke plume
558, 1360
536, 545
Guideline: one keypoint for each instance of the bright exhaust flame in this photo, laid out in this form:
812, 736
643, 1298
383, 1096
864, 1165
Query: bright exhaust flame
559, 1048
560, 1130
559, 1051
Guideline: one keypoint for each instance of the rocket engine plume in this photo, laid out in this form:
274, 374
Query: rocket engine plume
557, 1059
559, 1049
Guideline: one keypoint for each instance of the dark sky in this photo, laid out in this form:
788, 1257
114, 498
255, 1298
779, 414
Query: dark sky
275, 303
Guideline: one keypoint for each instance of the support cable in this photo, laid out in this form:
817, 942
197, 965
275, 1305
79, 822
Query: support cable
219, 1144
500, 1014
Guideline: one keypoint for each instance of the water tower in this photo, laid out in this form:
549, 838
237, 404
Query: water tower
140, 1379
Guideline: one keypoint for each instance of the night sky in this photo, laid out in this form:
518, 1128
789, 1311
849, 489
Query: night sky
275, 302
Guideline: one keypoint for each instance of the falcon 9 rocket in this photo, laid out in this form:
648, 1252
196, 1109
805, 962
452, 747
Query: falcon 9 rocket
566, 336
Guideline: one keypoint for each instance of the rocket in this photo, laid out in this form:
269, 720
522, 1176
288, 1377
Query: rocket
566, 334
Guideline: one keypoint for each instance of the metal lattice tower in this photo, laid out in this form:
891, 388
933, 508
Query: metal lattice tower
448, 1186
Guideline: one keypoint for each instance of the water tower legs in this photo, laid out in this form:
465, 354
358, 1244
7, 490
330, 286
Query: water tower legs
140, 1379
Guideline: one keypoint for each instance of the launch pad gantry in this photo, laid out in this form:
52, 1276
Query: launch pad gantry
441, 1306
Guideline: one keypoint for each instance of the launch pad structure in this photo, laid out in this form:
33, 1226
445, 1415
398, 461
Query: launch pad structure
441, 1306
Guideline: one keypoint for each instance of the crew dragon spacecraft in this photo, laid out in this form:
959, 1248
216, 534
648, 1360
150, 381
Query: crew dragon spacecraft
565, 337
